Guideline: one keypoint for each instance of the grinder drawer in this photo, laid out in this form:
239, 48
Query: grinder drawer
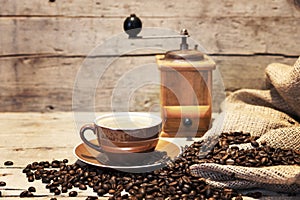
185, 120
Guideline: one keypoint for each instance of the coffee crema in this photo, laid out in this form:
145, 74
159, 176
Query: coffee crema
125, 121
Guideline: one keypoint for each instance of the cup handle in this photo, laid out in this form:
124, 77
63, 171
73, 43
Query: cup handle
82, 136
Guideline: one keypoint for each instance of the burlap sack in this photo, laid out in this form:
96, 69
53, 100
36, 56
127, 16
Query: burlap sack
271, 114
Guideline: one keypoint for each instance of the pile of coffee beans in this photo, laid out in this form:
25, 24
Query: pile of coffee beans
258, 156
173, 181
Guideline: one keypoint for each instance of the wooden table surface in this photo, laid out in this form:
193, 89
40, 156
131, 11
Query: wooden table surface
29, 137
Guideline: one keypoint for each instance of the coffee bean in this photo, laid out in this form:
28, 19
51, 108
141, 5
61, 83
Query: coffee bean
185, 190
91, 198
172, 190
64, 189
101, 192
82, 187
52, 189
2, 183
77, 184
31, 189
53, 198
111, 191
135, 187
30, 179
149, 197
230, 162
29, 194
128, 186
186, 179
8, 163
26, 170
26, 193
142, 191
55, 164
30, 173
132, 192
264, 160
91, 184
46, 180
57, 192
73, 194
0, 194
106, 187
126, 178
174, 183
193, 193
117, 195
254, 143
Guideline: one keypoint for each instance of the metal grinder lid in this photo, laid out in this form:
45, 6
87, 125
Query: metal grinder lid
184, 54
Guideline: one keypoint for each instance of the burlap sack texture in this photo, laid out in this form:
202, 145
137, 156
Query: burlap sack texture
271, 114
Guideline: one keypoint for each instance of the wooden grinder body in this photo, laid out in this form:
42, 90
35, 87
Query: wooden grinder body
186, 102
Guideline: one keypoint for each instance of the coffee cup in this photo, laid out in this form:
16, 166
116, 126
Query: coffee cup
124, 132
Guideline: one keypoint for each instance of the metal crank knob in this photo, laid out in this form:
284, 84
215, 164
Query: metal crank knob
132, 25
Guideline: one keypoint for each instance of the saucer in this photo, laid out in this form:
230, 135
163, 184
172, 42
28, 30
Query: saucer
155, 159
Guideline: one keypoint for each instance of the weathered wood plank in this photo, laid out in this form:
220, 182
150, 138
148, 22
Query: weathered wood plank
37, 131
192, 8
17, 182
246, 72
28, 137
22, 155
78, 36
47, 84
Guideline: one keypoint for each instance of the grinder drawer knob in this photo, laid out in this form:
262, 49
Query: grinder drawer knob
187, 122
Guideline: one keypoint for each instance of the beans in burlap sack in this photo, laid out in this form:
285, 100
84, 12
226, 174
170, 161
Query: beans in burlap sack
272, 115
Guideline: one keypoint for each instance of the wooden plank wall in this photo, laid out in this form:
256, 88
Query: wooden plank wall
43, 44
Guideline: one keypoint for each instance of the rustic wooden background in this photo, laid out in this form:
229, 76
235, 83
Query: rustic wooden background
43, 44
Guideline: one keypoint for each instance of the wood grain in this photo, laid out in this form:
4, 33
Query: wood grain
113, 8
46, 84
43, 45
79, 36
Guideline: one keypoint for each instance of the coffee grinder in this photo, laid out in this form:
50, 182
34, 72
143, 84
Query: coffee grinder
186, 85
